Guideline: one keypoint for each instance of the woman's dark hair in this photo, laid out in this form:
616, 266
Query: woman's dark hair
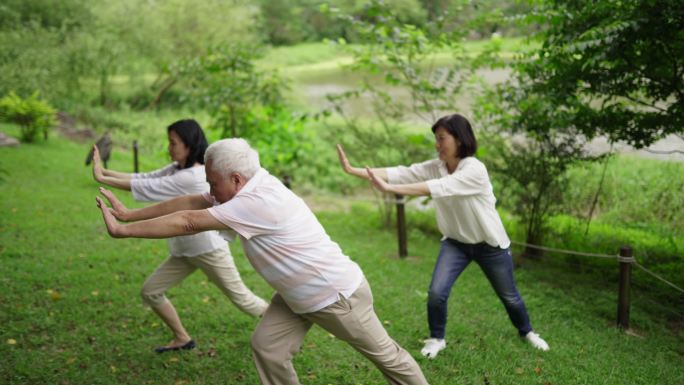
459, 127
192, 136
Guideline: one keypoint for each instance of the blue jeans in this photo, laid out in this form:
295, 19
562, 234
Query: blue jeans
497, 265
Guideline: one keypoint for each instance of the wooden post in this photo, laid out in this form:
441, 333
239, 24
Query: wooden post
401, 226
625, 260
135, 156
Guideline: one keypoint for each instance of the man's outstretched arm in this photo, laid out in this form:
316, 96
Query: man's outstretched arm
184, 222
183, 202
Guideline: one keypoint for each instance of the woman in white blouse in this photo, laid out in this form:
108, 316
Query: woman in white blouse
466, 216
207, 251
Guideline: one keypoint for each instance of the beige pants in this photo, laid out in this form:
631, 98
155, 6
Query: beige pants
279, 335
218, 266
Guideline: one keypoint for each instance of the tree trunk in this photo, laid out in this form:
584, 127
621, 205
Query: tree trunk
166, 85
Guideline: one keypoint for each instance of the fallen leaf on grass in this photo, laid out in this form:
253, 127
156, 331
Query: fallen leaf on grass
71, 360
211, 352
537, 370
173, 359
95, 293
11, 341
519, 370
54, 294
113, 368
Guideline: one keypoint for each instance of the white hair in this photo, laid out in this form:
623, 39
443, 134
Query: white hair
232, 155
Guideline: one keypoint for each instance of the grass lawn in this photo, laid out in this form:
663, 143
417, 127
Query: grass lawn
71, 314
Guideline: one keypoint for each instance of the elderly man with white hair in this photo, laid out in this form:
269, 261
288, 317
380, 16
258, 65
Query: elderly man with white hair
315, 282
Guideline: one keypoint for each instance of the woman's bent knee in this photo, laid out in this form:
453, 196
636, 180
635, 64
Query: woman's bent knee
152, 299
436, 299
512, 301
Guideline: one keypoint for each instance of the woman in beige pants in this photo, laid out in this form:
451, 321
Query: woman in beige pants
207, 251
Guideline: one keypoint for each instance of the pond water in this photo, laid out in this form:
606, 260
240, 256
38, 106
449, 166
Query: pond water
312, 88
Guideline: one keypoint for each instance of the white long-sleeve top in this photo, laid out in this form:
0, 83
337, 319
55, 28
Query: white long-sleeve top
169, 182
287, 245
464, 200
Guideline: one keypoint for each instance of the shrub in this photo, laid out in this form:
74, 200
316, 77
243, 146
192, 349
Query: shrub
280, 137
32, 114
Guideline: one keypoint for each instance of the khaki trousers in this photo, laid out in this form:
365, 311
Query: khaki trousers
280, 332
217, 265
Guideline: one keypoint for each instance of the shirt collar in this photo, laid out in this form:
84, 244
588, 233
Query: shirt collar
254, 181
443, 167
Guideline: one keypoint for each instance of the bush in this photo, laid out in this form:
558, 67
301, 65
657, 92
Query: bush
31, 114
280, 138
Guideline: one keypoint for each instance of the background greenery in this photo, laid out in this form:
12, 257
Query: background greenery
296, 77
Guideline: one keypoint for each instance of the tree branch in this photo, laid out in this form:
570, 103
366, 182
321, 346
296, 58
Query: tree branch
645, 104
668, 152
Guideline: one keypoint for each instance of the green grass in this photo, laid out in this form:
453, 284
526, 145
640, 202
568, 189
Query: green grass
638, 193
95, 330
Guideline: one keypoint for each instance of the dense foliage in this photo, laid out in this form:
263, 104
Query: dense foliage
33, 115
615, 68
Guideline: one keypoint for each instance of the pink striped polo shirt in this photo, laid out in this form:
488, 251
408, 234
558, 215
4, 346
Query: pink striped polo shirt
287, 245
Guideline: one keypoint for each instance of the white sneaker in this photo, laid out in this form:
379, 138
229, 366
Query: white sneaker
432, 347
536, 341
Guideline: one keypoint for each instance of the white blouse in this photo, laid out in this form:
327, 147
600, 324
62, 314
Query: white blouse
464, 200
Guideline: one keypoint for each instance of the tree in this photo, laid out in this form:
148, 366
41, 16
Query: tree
615, 68
294, 21
227, 82
612, 69
247, 101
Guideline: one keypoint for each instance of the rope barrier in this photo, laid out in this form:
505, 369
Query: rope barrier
662, 308
658, 277
619, 258
565, 251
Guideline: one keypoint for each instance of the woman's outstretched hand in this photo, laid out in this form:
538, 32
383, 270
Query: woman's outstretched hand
98, 172
377, 182
344, 162
118, 210
109, 219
